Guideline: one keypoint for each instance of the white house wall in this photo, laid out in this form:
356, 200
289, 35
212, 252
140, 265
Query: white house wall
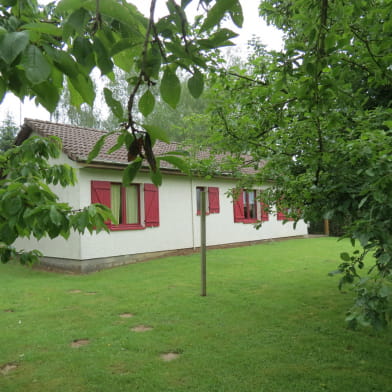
179, 226
221, 228
173, 232
59, 247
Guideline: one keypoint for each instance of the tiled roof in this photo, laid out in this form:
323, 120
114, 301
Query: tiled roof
79, 141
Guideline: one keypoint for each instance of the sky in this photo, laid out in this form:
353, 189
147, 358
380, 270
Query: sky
253, 26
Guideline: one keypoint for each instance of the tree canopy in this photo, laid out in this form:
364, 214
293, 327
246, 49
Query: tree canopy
44, 48
320, 112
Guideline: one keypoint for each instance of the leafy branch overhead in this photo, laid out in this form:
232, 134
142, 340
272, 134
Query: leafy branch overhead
43, 47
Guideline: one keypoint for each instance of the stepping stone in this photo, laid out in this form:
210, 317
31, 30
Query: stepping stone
141, 328
80, 343
167, 357
126, 315
7, 368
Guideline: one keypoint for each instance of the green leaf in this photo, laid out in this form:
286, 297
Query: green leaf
12, 44
36, 66
63, 61
114, 105
177, 162
83, 52
196, 84
78, 20
3, 89
69, 5
156, 177
84, 86
345, 256
98, 147
170, 88
47, 94
120, 142
124, 13
236, 14
217, 12
46, 28
147, 103
104, 62
131, 171
12, 204
156, 132
55, 216
153, 62
220, 38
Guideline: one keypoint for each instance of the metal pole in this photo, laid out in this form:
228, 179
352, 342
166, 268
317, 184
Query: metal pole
326, 227
203, 251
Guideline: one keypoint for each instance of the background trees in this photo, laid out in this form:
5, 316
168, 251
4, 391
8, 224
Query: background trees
8, 131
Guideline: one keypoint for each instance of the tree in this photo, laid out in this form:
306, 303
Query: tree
320, 112
44, 47
8, 132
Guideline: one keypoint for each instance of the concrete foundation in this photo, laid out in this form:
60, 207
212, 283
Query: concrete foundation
92, 265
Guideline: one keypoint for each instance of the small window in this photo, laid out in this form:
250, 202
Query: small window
125, 204
247, 208
200, 189
212, 200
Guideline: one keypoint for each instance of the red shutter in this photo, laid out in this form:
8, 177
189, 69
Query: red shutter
151, 205
213, 200
100, 192
239, 208
281, 216
264, 212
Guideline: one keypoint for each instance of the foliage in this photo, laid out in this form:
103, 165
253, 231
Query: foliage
271, 321
8, 131
44, 47
41, 47
28, 207
320, 112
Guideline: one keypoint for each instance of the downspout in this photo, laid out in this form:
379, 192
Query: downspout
193, 215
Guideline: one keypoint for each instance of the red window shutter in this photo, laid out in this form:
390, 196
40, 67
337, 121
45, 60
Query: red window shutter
264, 212
151, 205
239, 208
100, 192
213, 200
281, 215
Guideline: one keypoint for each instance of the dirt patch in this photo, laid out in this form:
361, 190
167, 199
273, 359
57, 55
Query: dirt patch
141, 328
167, 357
91, 293
80, 343
7, 368
126, 315
9, 310
74, 291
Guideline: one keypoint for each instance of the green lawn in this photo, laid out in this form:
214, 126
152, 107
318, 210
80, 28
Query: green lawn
273, 321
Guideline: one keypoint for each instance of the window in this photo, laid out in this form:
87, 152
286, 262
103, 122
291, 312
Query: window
125, 204
282, 215
250, 209
212, 201
128, 207
247, 209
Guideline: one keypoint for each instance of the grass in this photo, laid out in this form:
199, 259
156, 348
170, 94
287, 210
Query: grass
273, 321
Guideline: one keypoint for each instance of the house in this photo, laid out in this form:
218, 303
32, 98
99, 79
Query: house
152, 221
